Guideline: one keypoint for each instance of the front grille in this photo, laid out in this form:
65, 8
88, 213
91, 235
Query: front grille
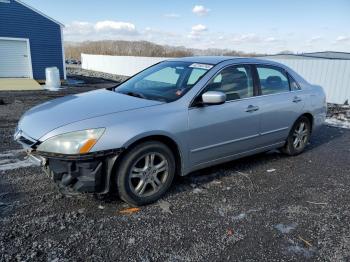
23, 139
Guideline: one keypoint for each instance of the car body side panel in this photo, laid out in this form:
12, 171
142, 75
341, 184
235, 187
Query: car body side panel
233, 156
317, 105
219, 130
278, 113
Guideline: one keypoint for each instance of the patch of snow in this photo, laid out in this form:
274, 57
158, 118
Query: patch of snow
165, 206
285, 229
12, 153
240, 216
53, 89
338, 123
244, 215
14, 159
15, 165
270, 170
298, 250
5, 161
197, 190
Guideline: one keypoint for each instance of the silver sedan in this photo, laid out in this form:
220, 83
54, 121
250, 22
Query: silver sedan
172, 118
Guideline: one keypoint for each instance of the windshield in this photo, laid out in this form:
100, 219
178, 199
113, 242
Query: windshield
166, 81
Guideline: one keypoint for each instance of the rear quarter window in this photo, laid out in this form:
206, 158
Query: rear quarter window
293, 84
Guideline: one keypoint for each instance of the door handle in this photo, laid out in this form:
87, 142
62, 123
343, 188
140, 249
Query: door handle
296, 99
252, 108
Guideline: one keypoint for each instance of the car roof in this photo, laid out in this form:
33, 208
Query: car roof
214, 60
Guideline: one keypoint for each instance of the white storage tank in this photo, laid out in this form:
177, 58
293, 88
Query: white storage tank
52, 78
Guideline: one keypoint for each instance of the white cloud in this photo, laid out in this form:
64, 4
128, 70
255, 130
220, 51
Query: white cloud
156, 36
342, 38
199, 28
78, 28
246, 38
315, 39
155, 33
197, 31
172, 15
200, 10
271, 39
114, 26
101, 30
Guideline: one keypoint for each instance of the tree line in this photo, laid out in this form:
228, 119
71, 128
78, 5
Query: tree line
73, 50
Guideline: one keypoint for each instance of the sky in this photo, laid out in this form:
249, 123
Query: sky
261, 26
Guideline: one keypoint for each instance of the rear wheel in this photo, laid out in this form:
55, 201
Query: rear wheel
145, 173
298, 137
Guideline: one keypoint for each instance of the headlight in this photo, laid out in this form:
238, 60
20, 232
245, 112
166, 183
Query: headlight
78, 142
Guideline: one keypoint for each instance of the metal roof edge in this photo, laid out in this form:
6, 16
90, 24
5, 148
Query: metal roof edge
39, 12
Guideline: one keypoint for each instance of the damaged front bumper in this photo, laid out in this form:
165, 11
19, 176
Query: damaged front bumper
91, 172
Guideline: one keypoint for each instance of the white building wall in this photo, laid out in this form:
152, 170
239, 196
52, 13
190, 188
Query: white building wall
119, 65
332, 74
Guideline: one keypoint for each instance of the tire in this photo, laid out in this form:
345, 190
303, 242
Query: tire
293, 148
140, 177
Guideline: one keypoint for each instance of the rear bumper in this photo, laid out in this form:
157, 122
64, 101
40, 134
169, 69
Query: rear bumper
79, 173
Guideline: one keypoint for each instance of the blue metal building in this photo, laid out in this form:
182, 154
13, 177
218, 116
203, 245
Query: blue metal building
30, 41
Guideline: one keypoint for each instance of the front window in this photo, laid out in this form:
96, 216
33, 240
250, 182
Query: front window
235, 81
166, 81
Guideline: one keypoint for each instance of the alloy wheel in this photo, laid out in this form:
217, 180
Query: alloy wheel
300, 136
148, 174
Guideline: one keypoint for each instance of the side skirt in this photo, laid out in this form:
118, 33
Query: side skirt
235, 156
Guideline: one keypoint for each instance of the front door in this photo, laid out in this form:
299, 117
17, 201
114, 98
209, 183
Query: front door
220, 131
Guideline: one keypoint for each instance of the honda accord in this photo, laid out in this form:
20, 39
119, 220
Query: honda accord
170, 119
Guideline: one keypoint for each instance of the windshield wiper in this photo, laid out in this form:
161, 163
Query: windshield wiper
135, 94
140, 95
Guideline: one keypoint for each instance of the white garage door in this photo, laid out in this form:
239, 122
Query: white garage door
14, 58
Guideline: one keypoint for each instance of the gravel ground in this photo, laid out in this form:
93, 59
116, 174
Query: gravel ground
267, 207
77, 70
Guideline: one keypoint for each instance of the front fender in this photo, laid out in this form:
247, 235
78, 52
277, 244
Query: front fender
150, 134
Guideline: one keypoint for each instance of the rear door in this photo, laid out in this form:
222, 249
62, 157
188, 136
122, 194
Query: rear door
280, 103
220, 131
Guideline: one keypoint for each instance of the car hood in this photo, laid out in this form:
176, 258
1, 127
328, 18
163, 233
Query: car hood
50, 115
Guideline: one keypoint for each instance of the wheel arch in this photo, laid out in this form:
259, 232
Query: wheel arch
163, 138
309, 116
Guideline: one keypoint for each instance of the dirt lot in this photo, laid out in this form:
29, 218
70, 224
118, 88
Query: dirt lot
263, 208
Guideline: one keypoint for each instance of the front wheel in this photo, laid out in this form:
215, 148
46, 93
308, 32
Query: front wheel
145, 173
298, 137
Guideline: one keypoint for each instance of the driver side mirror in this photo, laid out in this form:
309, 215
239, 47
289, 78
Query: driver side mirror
213, 98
